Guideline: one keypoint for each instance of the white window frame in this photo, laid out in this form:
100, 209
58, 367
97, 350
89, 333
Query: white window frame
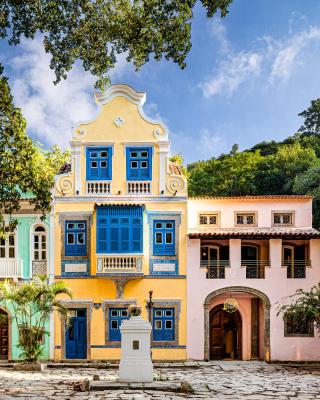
7, 247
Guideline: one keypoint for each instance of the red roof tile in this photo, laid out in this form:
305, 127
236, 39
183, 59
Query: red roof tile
260, 197
175, 169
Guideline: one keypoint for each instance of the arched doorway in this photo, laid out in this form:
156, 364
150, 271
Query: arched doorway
4, 335
225, 334
264, 334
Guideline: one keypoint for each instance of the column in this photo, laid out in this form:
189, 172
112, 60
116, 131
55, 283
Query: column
76, 154
163, 157
235, 260
255, 328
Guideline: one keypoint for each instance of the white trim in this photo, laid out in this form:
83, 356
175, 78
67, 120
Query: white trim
31, 239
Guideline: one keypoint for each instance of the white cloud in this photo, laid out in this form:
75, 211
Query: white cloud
232, 73
219, 32
51, 110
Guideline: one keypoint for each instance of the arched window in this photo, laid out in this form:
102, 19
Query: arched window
39, 243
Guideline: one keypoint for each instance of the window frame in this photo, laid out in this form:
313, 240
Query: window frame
7, 247
75, 232
275, 212
209, 214
246, 213
40, 234
163, 336
164, 248
139, 173
99, 159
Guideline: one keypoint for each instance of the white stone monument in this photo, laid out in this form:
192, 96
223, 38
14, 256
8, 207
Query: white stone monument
135, 364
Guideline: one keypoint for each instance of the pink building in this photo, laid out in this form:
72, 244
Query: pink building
255, 250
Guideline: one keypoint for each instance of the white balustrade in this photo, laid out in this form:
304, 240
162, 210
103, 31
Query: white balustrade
119, 263
11, 268
139, 187
98, 187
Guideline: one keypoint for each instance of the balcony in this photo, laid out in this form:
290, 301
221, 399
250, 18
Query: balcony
110, 264
255, 269
296, 269
11, 268
139, 187
215, 268
100, 188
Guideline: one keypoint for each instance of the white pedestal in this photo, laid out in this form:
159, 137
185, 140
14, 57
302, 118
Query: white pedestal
135, 364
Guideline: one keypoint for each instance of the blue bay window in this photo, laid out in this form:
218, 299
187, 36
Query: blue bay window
139, 163
99, 163
116, 316
119, 229
75, 238
164, 238
163, 328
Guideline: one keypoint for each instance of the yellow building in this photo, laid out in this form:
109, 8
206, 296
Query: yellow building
120, 232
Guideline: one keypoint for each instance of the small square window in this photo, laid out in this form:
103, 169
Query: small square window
104, 154
81, 225
169, 238
144, 154
158, 238
134, 164
70, 238
250, 219
158, 324
158, 225
133, 154
144, 164
158, 313
94, 164
203, 220
93, 154
124, 313
240, 220
103, 164
81, 238
213, 220
2, 242
70, 226
168, 313
11, 252
114, 324
246, 219
114, 313
168, 324
169, 225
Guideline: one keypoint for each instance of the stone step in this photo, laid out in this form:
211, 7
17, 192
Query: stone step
155, 386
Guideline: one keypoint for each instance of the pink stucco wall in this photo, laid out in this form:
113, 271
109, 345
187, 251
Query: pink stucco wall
275, 285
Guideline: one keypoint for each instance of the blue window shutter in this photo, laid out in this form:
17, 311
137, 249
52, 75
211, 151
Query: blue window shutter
123, 226
77, 231
99, 163
161, 233
163, 328
116, 316
139, 167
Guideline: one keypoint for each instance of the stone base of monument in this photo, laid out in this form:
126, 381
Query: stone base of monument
135, 364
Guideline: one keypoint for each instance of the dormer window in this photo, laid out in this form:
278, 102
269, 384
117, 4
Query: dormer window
99, 163
139, 163
245, 219
285, 218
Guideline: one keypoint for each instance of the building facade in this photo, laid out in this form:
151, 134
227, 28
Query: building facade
120, 232
24, 254
246, 255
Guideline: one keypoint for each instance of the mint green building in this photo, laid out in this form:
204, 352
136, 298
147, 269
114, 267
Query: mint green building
25, 253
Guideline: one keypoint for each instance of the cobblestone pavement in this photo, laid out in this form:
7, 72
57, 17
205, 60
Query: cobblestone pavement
214, 380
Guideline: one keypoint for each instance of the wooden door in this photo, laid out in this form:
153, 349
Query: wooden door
4, 335
216, 335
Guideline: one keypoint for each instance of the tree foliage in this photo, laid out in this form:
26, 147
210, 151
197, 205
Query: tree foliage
311, 118
25, 168
95, 32
304, 306
32, 304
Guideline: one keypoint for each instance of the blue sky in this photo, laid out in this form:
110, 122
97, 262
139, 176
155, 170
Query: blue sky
247, 78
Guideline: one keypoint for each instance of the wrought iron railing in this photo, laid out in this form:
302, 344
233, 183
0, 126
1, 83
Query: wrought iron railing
99, 188
296, 269
255, 269
11, 268
139, 187
216, 269
119, 263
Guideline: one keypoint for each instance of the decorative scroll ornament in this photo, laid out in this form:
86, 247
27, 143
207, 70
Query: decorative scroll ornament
64, 185
118, 121
230, 305
175, 184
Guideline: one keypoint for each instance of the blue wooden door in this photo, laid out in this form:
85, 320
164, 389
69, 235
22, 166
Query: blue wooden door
76, 335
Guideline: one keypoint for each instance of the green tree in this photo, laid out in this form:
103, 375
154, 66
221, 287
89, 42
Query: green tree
304, 307
32, 304
311, 118
24, 167
95, 32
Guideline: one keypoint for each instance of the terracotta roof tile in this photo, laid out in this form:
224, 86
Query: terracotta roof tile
239, 233
260, 197
174, 169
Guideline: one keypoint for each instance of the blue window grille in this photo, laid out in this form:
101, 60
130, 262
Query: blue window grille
75, 238
116, 316
164, 238
139, 163
119, 229
99, 163
163, 328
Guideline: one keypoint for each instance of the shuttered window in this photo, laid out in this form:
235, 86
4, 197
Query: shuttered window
99, 163
139, 163
163, 324
164, 238
75, 238
116, 316
119, 229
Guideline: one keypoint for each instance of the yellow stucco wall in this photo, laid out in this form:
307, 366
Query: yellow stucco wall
135, 130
